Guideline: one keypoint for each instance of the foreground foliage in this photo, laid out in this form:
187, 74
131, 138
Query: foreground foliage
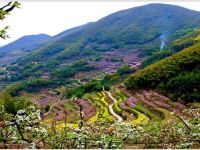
26, 128
5, 10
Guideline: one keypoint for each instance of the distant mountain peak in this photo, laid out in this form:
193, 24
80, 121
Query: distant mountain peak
125, 29
26, 42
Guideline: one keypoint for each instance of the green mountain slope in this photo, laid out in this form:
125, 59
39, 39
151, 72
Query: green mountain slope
121, 38
122, 30
186, 40
177, 76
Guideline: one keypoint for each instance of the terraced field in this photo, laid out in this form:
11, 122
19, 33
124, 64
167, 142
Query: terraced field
99, 99
117, 106
128, 105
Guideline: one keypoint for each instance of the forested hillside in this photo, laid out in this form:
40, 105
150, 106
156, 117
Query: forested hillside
123, 32
186, 40
177, 76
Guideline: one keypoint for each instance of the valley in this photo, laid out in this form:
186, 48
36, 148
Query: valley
127, 81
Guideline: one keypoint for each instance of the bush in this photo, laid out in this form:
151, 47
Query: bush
12, 104
110, 79
124, 70
47, 108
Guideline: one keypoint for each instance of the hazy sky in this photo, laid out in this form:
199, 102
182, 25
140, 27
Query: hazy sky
54, 17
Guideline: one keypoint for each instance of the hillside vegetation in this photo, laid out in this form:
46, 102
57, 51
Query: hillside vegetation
177, 72
70, 92
128, 31
187, 39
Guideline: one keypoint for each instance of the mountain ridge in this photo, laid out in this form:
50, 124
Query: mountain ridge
122, 37
27, 42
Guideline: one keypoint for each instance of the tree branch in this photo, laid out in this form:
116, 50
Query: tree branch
5, 6
183, 122
21, 134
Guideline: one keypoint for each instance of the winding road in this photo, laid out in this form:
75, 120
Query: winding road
119, 119
57, 101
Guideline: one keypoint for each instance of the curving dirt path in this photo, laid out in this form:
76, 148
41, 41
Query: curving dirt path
119, 119
57, 101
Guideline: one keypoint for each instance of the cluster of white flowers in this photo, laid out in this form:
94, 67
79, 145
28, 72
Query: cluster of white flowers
19, 112
184, 145
28, 123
